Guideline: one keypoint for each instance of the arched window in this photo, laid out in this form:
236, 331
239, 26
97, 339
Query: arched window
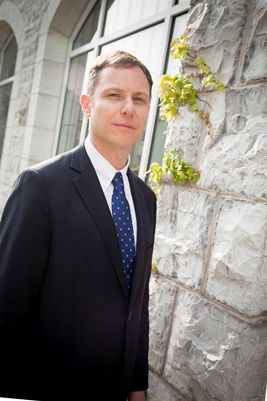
8, 57
141, 27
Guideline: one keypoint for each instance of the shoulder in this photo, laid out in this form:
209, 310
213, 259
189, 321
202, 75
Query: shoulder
141, 185
60, 166
50, 173
145, 194
58, 161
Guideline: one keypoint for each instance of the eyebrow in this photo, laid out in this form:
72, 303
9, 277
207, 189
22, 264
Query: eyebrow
118, 89
141, 94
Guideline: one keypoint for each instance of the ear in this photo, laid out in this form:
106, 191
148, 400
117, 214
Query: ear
85, 103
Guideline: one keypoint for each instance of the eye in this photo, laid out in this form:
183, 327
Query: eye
139, 100
113, 95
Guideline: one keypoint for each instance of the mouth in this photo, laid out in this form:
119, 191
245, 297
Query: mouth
126, 127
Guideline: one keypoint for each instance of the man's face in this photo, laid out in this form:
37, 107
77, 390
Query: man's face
118, 108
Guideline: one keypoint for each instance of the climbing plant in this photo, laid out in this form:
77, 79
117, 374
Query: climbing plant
174, 167
175, 91
184, 89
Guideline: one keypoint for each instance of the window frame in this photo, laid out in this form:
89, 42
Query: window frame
9, 79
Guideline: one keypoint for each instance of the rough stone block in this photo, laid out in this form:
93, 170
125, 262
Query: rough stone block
238, 268
6, 183
40, 144
218, 28
14, 140
38, 104
47, 78
9, 173
256, 56
183, 220
162, 295
184, 134
236, 160
159, 390
214, 356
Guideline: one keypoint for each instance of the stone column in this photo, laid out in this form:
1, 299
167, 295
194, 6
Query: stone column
208, 337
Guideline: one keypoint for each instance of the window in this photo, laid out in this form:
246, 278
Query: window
157, 146
132, 11
142, 27
143, 44
88, 30
72, 113
7, 69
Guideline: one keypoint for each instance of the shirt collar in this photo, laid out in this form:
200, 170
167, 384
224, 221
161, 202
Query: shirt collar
104, 170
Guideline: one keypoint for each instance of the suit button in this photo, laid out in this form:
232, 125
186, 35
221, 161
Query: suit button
130, 316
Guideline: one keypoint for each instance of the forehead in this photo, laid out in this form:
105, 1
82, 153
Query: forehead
132, 79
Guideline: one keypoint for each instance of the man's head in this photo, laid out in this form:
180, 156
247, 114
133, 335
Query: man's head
117, 103
118, 59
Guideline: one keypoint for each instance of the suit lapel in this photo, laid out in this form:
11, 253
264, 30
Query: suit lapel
141, 233
90, 191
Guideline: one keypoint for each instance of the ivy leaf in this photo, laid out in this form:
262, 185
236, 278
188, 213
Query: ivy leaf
182, 89
179, 47
173, 166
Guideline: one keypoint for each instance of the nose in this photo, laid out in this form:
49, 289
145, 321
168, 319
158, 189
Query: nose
127, 107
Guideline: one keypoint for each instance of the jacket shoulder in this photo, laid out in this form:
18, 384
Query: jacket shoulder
142, 185
74, 156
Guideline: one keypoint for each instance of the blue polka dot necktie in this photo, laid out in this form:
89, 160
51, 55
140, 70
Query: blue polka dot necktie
123, 222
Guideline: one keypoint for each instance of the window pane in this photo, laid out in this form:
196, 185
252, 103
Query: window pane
122, 13
144, 45
72, 114
5, 92
9, 60
157, 146
89, 28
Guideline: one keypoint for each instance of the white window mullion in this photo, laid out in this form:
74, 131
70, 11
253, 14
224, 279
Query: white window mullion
154, 103
7, 81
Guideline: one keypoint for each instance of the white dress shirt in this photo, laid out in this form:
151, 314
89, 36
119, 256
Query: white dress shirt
105, 173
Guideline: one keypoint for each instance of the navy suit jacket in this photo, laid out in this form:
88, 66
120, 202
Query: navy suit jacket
67, 325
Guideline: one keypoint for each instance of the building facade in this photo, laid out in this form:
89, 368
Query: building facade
208, 337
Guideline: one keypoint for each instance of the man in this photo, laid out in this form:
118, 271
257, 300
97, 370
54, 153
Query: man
73, 308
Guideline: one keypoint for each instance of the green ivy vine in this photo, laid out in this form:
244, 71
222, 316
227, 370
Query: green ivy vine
184, 89
174, 167
175, 91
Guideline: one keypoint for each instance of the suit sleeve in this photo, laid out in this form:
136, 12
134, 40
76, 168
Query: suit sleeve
140, 373
24, 249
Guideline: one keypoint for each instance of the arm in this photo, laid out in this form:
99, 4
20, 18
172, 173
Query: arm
24, 249
139, 381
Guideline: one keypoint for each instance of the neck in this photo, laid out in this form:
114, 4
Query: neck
118, 158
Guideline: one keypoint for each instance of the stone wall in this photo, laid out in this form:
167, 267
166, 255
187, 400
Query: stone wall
208, 308
24, 19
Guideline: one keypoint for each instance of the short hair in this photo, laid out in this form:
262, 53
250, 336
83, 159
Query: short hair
117, 59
